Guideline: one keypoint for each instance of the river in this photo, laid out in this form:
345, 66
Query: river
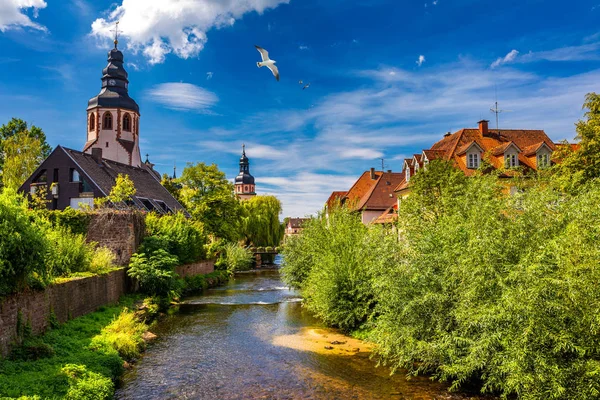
251, 339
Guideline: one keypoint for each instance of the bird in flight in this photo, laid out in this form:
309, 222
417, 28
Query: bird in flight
304, 86
267, 62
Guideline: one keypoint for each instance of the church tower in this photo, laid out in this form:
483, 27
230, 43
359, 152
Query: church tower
113, 118
244, 182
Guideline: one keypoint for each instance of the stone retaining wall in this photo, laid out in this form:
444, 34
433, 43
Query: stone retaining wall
66, 300
199, 268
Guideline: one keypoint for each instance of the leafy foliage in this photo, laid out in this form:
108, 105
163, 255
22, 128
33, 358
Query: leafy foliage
237, 258
22, 245
120, 193
76, 221
16, 126
87, 385
260, 221
154, 271
124, 334
22, 154
333, 262
67, 253
578, 167
70, 343
180, 236
208, 196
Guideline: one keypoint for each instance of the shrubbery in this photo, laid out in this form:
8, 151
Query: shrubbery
154, 272
180, 236
22, 245
123, 334
235, 258
87, 385
475, 286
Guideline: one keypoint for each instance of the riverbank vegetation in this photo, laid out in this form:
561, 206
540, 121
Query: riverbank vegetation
81, 359
473, 286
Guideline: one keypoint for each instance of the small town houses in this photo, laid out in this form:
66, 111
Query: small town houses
376, 194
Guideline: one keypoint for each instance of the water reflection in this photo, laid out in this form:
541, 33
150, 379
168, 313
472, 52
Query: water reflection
220, 346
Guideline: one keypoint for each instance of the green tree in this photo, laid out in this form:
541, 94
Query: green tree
209, 198
121, 192
578, 167
22, 154
172, 185
260, 221
15, 126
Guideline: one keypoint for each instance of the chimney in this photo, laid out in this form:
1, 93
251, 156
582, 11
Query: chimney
373, 173
389, 171
483, 127
447, 134
97, 154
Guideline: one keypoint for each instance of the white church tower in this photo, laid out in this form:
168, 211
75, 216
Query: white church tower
113, 118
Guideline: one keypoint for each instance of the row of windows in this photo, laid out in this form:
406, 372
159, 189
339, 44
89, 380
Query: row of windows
107, 121
246, 188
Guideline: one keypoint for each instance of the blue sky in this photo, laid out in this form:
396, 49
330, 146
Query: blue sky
388, 78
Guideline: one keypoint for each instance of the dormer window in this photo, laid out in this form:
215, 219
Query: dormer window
407, 174
543, 160
511, 160
473, 161
107, 121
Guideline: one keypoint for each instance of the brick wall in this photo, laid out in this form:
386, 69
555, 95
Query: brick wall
66, 300
121, 232
202, 267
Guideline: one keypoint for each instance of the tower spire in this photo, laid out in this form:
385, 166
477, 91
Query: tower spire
243, 149
175, 170
116, 31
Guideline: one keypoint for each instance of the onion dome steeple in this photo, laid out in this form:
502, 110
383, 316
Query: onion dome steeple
114, 91
244, 182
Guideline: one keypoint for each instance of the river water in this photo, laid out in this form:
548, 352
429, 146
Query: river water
251, 339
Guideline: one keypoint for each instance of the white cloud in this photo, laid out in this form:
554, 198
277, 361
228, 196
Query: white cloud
420, 60
183, 96
160, 27
303, 47
588, 51
133, 66
13, 14
510, 57
209, 75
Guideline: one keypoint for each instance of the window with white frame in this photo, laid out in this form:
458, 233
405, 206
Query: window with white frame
543, 160
511, 160
473, 160
407, 174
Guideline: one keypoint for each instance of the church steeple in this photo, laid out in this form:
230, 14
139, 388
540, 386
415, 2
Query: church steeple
113, 116
244, 182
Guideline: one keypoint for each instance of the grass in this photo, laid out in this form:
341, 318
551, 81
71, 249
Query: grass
36, 367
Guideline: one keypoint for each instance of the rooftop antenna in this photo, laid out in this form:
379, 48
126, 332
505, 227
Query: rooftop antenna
382, 164
116, 31
497, 110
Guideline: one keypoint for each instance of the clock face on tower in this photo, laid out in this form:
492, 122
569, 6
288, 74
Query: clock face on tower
112, 82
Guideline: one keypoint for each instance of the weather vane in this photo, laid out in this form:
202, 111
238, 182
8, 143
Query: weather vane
116, 31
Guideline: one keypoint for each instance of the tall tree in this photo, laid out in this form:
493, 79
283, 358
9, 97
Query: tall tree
22, 155
260, 221
208, 196
582, 165
15, 126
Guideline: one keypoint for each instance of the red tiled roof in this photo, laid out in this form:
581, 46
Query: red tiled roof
335, 198
360, 188
381, 196
433, 154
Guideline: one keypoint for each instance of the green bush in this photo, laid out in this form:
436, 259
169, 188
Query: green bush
155, 272
334, 262
87, 385
237, 258
22, 245
67, 253
76, 221
123, 334
199, 283
180, 236
103, 260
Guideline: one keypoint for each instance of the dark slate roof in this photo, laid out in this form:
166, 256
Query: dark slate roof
114, 95
146, 183
296, 223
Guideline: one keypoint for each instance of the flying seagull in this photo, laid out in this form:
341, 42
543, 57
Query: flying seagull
300, 82
267, 62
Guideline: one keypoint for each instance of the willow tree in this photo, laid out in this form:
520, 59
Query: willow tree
260, 221
22, 155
